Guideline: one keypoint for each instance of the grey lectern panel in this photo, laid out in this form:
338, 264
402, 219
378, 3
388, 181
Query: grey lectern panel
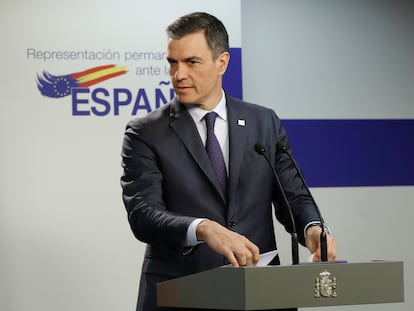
273, 287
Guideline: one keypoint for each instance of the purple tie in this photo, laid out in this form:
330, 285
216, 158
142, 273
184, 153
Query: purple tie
214, 151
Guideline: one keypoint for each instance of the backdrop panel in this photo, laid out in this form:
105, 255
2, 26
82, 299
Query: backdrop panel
73, 73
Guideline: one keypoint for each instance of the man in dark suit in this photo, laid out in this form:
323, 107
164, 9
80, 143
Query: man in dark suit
197, 211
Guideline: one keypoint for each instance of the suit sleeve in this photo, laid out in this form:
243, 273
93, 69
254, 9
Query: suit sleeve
142, 193
303, 209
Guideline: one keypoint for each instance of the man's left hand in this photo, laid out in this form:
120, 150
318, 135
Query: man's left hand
313, 243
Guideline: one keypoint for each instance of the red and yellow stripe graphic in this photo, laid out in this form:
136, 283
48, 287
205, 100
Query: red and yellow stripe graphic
98, 74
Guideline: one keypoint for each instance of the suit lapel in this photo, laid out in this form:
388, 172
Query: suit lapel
184, 127
237, 139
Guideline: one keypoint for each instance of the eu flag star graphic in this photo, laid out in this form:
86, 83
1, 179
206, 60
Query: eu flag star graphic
60, 86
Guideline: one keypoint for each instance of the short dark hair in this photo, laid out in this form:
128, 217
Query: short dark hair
214, 30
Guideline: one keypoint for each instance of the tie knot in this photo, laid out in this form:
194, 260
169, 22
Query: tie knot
210, 119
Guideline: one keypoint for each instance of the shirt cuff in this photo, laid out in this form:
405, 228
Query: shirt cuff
191, 233
315, 223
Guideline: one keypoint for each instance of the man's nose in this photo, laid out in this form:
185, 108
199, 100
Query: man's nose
181, 73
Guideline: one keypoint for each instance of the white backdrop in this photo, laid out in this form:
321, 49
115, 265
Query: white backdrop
65, 242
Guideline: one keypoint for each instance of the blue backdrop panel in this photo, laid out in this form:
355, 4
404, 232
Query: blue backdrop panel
232, 80
341, 153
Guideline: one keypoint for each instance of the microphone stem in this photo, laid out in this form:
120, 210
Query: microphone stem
323, 244
260, 149
294, 235
295, 249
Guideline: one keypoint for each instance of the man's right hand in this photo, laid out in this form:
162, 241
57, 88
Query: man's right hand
239, 250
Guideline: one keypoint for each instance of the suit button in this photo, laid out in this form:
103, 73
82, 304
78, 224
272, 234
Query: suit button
231, 224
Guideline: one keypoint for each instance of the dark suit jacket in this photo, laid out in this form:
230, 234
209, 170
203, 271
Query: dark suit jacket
168, 181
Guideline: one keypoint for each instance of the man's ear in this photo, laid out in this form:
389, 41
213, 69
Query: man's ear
222, 62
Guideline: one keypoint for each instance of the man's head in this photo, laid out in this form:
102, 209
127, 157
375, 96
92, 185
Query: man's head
198, 53
213, 29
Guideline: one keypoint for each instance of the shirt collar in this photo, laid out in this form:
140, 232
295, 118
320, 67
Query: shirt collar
198, 113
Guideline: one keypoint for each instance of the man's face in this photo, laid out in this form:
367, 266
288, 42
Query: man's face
196, 77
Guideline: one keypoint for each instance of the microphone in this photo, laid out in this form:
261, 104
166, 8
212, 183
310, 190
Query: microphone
260, 149
282, 148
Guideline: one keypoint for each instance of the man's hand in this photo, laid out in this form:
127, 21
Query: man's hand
239, 251
313, 239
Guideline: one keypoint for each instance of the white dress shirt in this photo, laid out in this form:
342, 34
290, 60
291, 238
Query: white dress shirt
221, 130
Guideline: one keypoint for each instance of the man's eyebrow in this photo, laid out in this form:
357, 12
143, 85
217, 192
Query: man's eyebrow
187, 59
192, 58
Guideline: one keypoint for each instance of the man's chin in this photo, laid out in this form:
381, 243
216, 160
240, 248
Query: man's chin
186, 100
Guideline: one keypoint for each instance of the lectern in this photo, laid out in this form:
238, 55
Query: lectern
273, 287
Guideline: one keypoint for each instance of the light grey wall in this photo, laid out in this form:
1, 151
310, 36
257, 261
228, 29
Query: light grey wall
349, 60
321, 58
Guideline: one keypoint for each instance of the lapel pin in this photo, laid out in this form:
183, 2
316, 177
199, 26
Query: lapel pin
241, 122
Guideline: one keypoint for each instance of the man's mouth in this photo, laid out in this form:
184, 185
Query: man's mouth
183, 88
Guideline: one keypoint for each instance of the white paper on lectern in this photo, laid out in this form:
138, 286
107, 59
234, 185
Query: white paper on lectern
264, 260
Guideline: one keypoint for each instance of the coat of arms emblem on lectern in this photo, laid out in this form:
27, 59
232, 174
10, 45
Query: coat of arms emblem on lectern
325, 285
